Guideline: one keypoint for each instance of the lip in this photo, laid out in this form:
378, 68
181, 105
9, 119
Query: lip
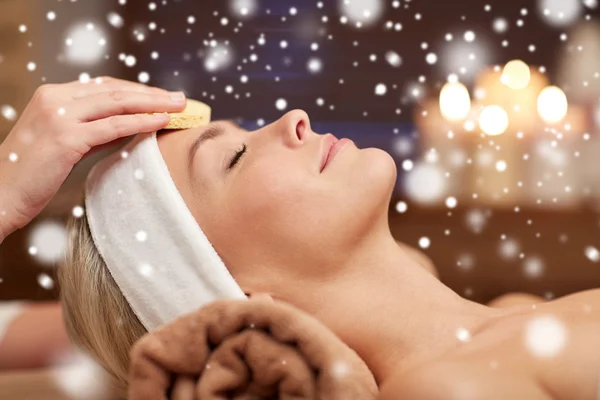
328, 141
331, 147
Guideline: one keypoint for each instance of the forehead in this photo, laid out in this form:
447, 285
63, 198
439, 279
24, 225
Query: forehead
172, 142
174, 146
185, 137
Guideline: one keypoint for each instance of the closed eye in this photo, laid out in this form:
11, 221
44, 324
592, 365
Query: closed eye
237, 156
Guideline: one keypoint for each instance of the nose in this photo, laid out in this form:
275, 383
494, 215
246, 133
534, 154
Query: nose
295, 126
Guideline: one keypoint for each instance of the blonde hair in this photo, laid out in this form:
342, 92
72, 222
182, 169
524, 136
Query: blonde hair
97, 316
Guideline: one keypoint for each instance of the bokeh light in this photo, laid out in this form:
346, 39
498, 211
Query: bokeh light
493, 120
552, 104
425, 183
218, 58
243, 9
533, 267
393, 58
8, 112
84, 44
455, 101
516, 74
49, 239
465, 58
361, 13
81, 377
545, 336
560, 12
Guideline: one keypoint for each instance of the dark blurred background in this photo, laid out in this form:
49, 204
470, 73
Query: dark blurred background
498, 177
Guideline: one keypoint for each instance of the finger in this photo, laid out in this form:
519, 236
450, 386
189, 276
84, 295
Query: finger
116, 84
107, 84
184, 388
107, 130
106, 146
106, 104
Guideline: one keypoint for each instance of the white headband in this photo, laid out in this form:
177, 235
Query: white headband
150, 241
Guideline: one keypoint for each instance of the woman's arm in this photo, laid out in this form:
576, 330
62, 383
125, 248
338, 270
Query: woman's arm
515, 299
35, 338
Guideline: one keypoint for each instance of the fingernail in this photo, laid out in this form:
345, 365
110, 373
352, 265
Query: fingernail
178, 97
161, 117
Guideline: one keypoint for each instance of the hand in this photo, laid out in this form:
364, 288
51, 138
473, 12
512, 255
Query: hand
59, 126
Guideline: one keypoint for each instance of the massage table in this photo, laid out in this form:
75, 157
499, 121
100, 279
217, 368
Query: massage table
40, 384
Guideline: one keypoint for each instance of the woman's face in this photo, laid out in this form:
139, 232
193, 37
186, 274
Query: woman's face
274, 218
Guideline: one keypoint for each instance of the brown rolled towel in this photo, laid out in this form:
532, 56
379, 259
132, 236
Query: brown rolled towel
247, 350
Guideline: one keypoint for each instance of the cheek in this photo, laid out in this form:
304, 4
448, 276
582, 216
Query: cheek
274, 197
268, 187
259, 215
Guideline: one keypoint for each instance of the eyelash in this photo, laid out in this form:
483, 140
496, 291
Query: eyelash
238, 155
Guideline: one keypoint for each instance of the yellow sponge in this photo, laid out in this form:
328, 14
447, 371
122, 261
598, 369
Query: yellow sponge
195, 114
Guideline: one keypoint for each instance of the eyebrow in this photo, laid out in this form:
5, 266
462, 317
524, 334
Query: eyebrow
213, 131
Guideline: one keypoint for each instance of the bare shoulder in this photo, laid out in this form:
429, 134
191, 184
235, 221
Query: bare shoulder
588, 300
499, 364
460, 381
576, 368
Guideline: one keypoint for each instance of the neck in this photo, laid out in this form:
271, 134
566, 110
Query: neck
406, 315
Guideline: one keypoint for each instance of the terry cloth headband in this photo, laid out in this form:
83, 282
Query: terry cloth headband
152, 245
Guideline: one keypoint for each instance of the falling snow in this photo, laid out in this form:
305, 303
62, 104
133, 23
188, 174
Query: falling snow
50, 240
533, 267
82, 378
44, 280
146, 270
9, 112
115, 19
144, 77
401, 207
545, 336
560, 12
84, 44
361, 13
380, 89
281, 104
425, 183
508, 249
495, 130
393, 59
315, 65
592, 254
219, 57
77, 211
340, 369
451, 202
463, 335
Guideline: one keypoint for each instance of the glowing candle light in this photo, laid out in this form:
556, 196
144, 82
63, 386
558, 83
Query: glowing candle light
552, 104
455, 101
516, 74
493, 120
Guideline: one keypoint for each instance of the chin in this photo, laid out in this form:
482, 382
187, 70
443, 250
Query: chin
380, 167
377, 175
373, 178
